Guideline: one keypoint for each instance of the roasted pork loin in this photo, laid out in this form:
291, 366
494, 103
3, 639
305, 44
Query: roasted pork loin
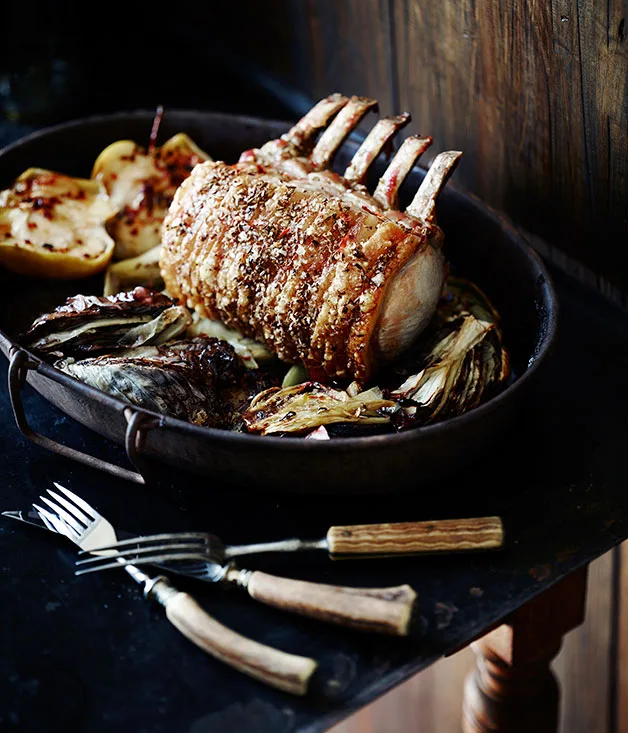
308, 261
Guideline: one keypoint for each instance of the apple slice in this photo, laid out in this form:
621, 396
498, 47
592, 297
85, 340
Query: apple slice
53, 225
141, 185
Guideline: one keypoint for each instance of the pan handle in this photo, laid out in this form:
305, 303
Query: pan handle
137, 424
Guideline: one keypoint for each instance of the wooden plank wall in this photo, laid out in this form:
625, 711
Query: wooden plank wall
340, 56
534, 92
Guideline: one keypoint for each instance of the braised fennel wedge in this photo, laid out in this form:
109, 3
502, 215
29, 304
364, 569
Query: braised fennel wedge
463, 359
303, 406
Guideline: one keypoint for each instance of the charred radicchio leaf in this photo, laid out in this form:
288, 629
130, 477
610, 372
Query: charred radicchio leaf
87, 325
251, 351
199, 380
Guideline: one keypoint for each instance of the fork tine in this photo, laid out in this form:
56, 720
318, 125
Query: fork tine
120, 561
89, 510
65, 516
203, 538
55, 523
191, 566
74, 511
45, 517
139, 553
200, 572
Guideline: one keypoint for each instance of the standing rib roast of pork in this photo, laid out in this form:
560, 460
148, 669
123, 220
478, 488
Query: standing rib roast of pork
307, 261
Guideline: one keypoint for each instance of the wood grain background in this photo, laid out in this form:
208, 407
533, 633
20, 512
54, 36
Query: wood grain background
535, 92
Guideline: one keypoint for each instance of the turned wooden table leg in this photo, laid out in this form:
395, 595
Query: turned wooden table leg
512, 688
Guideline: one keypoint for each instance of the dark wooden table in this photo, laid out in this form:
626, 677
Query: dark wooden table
90, 654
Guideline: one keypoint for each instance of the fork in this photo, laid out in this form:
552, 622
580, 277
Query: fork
466, 534
69, 515
383, 610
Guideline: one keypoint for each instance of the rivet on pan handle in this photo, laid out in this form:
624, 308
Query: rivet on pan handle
18, 368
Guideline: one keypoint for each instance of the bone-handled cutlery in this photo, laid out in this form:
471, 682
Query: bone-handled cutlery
384, 610
69, 515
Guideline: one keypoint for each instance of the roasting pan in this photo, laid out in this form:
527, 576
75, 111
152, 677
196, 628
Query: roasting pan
481, 245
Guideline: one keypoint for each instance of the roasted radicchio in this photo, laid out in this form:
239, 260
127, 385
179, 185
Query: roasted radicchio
142, 347
88, 325
200, 380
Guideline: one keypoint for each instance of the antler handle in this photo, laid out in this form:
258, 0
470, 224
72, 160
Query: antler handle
444, 535
383, 610
284, 671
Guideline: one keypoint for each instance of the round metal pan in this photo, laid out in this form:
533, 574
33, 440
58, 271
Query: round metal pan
480, 245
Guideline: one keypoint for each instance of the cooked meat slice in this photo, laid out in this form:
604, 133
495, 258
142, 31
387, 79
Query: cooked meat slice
302, 259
